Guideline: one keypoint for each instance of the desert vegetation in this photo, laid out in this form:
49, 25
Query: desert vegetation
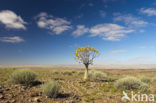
94, 75
51, 89
53, 85
86, 55
131, 83
69, 86
23, 76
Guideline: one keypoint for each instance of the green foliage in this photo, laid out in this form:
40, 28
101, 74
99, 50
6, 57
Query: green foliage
86, 55
146, 80
131, 83
51, 89
23, 76
93, 74
144, 87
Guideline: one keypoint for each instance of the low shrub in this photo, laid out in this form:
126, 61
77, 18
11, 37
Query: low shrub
97, 75
51, 89
144, 87
131, 83
23, 76
146, 80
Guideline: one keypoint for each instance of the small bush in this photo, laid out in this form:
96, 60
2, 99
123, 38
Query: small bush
144, 87
130, 83
23, 76
51, 89
97, 75
146, 80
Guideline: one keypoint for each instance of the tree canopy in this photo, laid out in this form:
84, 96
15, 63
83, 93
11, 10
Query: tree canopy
86, 55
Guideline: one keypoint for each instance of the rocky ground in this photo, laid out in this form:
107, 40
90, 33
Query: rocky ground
73, 88
10, 93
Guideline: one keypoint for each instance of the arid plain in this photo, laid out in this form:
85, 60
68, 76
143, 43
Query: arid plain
73, 89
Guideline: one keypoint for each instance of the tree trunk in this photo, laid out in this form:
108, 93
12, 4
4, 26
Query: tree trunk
86, 72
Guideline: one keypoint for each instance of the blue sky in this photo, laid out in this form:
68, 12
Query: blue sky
49, 31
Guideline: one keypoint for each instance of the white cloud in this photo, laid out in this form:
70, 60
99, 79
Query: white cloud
81, 29
112, 32
11, 20
118, 51
14, 39
130, 20
148, 11
102, 13
56, 25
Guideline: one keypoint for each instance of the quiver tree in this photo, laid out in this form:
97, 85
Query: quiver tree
86, 56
